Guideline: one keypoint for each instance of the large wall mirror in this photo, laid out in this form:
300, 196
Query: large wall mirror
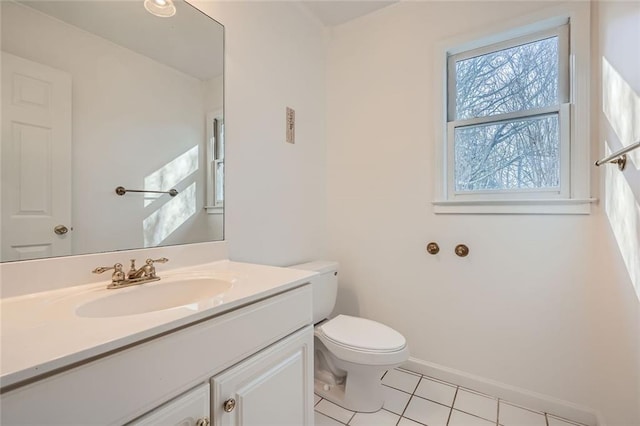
98, 95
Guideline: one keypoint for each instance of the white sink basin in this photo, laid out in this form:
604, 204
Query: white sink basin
155, 296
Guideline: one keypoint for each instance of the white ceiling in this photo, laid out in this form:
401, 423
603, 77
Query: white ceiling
179, 42
336, 12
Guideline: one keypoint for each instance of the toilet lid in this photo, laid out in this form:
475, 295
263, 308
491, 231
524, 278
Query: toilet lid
362, 333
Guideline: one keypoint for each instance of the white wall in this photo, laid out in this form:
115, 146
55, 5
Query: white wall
615, 288
521, 308
275, 206
114, 91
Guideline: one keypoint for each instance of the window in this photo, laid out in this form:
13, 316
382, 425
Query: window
215, 163
505, 119
509, 143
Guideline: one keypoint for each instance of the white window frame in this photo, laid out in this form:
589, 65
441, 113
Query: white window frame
214, 155
561, 109
573, 195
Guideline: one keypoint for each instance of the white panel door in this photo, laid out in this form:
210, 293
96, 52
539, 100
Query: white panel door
35, 160
190, 409
272, 388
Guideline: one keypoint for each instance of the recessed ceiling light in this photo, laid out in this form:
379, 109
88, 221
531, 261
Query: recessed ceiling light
162, 8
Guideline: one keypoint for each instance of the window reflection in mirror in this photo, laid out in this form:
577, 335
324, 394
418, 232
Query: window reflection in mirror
215, 162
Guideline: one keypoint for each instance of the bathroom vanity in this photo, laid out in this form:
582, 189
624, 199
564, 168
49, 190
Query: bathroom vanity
213, 340
69, 357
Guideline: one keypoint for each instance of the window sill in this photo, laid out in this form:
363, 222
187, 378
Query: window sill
539, 206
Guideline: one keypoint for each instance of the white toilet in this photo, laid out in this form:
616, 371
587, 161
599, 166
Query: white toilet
351, 353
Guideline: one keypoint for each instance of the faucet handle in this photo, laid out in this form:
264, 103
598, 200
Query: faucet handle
151, 270
116, 277
100, 269
161, 260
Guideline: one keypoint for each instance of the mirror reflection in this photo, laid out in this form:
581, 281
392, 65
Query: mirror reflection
103, 94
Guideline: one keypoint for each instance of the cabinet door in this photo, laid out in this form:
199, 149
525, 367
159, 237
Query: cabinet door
190, 409
272, 388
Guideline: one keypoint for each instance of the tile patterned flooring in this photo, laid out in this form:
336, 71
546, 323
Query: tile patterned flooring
416, 400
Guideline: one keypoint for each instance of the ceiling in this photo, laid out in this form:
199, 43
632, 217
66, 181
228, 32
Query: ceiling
177, 42
336, 12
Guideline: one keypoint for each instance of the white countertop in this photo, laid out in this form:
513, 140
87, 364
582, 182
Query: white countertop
41, 332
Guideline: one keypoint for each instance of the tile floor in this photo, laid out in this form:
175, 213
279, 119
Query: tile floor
416, 400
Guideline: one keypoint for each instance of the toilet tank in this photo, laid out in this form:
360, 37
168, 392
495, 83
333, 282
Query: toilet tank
324, 286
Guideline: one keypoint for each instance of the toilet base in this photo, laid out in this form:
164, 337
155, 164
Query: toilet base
360, 391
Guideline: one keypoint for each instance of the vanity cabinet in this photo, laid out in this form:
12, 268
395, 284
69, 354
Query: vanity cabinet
259, 354
273, 387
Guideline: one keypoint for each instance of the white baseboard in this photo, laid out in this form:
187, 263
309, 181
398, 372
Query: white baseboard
507, 392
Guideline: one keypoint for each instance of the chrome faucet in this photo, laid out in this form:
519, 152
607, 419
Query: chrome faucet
144, 274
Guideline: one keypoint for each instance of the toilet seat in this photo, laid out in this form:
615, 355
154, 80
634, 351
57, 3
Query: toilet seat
363, 334
362, 341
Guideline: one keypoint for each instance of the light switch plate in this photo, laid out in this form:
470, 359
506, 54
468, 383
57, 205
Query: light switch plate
291, 125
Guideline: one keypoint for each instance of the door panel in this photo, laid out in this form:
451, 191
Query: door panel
36, 159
